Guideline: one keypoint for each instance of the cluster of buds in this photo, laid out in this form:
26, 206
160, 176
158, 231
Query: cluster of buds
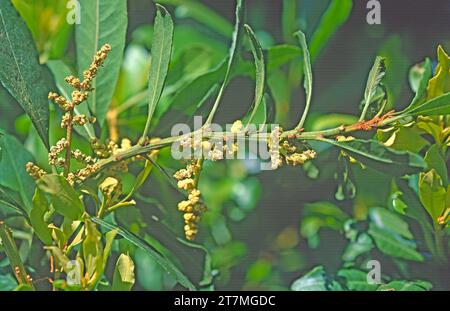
91, 72
81, 175
55, 150
35, 171
82, 158
192, 207
299, 158
344, 154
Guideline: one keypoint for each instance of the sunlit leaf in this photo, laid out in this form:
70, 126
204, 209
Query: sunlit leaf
102, 21
161, 55
123, 279
373, 82
64, 198
20, 72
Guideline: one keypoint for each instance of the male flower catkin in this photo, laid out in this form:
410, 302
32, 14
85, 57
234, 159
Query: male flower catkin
71, 119
192, 207
290, 153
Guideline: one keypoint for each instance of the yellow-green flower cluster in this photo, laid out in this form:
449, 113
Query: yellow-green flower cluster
274, 147
192, 207
287, 152
299, 158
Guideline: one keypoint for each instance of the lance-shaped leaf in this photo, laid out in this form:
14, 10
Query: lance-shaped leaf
394, 245
437, 106
336, 14
37, 217
20, 72
260, 75
307, 83
231, 58
159, 258
196, 10
13, 174
161, 53
380, 157
102, 21
10, 248
440, 83
373, 82
421, 93
123, 279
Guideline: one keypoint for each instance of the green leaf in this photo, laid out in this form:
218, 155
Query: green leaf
435, 107
13, 174
289, 19
92, 253
435, 161
440, 83
164, 262
356, 280
386, 220
64, 198
123, 279
102, 21
432, 194
393, 245
260, 69
260, 115
406, 286
281, 54
8, 199
363, 244
376, 74
10, 248
161, 54
336, 14
380, 157
314, 280
60, 70
208, 274
320, 215
20, 72
231, 58
40, 227
308, 75
201, 13
109, 238
426, 72
193, 93
318, 122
